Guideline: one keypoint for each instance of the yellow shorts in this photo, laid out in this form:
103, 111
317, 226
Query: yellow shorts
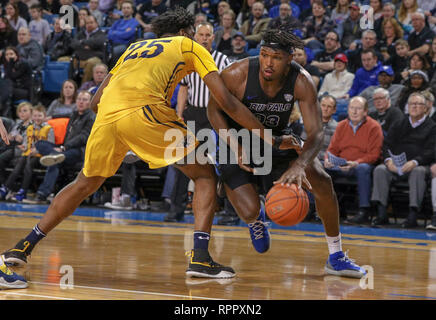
154, 133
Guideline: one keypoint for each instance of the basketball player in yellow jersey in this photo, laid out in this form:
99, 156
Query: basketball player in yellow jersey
133, 113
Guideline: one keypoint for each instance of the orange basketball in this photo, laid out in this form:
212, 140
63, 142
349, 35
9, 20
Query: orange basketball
286, 206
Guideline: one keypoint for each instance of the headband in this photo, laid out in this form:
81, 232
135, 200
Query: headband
277, 46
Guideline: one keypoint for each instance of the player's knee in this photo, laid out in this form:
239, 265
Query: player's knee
249, 212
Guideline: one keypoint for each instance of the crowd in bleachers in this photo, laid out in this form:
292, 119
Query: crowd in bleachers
383, 51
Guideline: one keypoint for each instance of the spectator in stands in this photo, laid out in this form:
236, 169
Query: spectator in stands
385, 77
429, 99
407, 8
341, 11
12, 14
147, 11
427, 5
226, 31
58, 42
70, 152
389, 10
413, 135
199, 19
317, 26
8, 35
421, 36
285, 18
83, 13
93, 9
221, 7
350, 30
16, 137
418, 81
30, 50
432, 224
252, 28
88, 47
368, 41
337, 84
123, 31
384, 113
432, 58
431, 17
39, 28
245, 12
64, 106
417, 61
329, 124
391, 32
99, 72
38, 130
106, 6
324, 59
127, 192
377, 7
50, 7
367, 75
238, 50
18, 74
300, 56
400, 60
358, 140
23, 9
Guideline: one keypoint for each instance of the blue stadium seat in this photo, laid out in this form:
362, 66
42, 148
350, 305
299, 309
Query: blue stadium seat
274, 11
80, 4
54, 74
50, 18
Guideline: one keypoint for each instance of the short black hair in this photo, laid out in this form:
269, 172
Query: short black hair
172, 22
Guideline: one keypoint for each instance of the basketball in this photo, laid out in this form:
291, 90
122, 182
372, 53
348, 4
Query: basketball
286, 206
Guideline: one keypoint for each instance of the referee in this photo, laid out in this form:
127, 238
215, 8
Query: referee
192, 101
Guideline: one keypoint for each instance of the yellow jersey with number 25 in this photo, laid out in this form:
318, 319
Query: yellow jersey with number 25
147, 74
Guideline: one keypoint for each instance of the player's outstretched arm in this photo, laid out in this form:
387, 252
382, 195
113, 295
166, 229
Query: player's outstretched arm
232, 106
96, 98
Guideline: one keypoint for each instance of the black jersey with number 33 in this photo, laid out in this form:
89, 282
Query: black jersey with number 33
272, 112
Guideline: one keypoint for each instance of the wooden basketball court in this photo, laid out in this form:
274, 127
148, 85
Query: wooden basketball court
104, 254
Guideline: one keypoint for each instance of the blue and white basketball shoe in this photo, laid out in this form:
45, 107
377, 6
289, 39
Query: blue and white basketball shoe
339, 264
259, 232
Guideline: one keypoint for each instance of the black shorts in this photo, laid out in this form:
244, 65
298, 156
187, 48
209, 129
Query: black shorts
233, 176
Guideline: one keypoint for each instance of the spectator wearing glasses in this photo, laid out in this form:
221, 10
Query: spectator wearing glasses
324, 60
413, 135
384, 113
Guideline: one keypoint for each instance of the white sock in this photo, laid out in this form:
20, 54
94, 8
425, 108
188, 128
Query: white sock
334, 243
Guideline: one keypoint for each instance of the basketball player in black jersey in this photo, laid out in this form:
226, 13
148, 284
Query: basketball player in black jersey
269, 85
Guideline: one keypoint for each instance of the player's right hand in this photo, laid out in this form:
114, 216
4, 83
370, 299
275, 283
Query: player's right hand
4, 133
291, 142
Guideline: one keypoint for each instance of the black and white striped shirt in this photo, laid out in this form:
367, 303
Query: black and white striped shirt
198, 92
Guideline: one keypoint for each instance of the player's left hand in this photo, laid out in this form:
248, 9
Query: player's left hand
4, 133
295, 174
291, 142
